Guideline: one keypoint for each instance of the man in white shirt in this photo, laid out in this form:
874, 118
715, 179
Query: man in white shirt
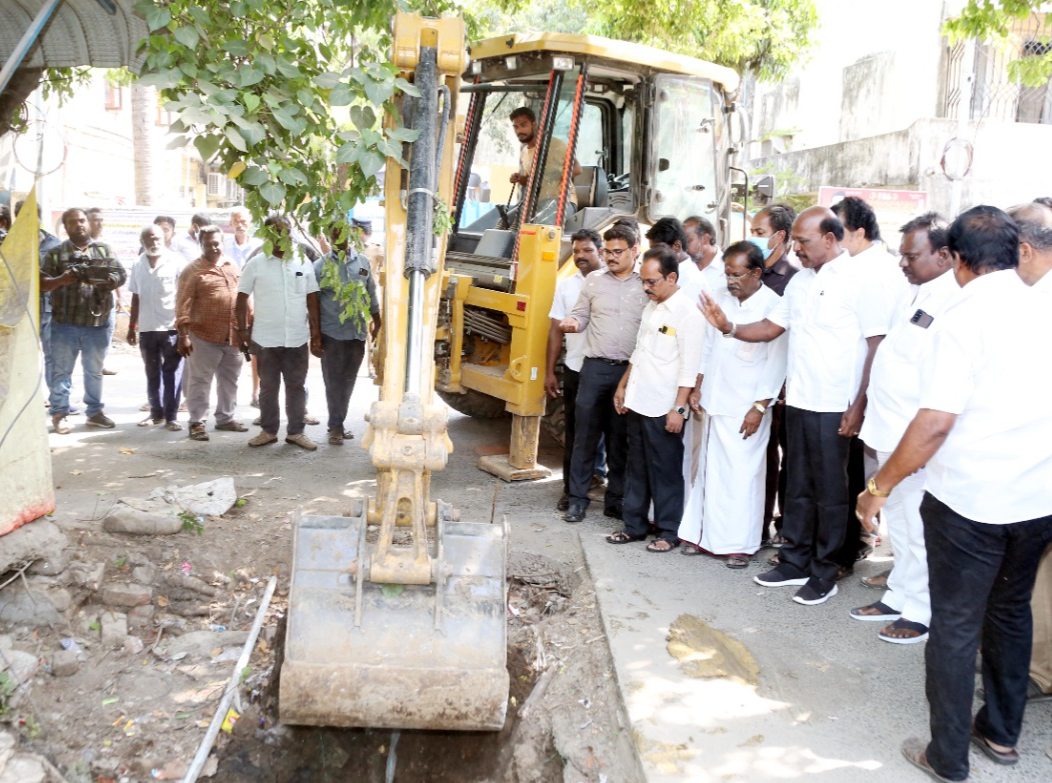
287, 319
736, 385
988, 506
669, 232
1035, 264
241, 246
652, 396
835, 326
894, 397
702, 247
152, 283
586, 249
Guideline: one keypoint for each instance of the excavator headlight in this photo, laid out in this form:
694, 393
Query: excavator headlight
562, 63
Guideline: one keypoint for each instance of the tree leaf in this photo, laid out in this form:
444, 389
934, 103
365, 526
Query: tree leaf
207, 146
371, 163
253, 177
234, 137
176, 143
347, 153
251, 101
157, 17
236, 47
403, 134
250, 76
406, 87
341, 95
236, 170
327, 80
187, 36
254, 133
273, 192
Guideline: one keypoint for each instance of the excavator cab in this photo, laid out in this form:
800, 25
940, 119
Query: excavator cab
622, 130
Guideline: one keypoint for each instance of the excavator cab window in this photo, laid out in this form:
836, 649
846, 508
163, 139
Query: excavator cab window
686, 125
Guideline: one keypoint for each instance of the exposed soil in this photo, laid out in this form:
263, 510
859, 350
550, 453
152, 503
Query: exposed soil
136, 709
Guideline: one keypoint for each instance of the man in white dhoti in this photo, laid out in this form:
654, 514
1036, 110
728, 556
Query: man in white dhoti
736, 384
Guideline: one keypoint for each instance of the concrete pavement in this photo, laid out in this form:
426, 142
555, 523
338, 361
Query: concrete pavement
832, 702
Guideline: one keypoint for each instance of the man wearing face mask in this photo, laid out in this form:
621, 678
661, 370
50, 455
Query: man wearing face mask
770, 232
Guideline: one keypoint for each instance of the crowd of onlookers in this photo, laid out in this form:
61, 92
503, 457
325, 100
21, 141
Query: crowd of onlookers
191, 315
785, 391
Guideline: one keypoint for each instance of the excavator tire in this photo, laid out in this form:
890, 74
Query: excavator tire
554, 421
475, 404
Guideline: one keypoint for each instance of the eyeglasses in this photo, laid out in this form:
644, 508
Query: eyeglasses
614, 253
652, 283
736, 278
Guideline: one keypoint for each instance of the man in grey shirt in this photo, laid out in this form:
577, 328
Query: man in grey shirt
608, 312
344, 276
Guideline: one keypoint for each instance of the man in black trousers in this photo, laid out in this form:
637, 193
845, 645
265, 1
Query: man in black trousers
608, 312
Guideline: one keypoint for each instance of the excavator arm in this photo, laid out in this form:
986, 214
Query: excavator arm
397, 611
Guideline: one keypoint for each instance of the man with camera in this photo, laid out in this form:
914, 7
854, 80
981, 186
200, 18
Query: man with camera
81, 275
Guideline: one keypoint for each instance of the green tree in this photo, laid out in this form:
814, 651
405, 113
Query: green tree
288, 98
766, 37
997, 21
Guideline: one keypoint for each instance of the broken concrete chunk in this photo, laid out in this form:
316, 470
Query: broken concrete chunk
114, 628
87, 575
131, 594
65, 663
35, 609
210, 499
38, 540
141, 617
23, 768
53, 564
144, 574
205, 642
141, 518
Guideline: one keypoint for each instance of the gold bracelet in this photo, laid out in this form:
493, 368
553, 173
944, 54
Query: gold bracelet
760, 408
871, 488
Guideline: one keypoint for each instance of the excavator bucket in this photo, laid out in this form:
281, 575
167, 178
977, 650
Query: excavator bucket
430, 656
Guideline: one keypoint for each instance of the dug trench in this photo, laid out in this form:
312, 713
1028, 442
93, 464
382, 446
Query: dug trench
564, 722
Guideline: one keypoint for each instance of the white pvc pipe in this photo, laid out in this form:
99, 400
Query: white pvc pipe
235, 680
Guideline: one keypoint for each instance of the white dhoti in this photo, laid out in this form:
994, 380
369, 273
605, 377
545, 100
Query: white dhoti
726, 506
690, 524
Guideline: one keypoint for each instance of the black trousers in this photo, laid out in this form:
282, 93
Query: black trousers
655, 473
571, 383
594, 417
856, 482
981, 578
340, 362
816, 503
275, 365
777, 450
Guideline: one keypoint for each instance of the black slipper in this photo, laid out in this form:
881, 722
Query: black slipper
621, 537
1006, 759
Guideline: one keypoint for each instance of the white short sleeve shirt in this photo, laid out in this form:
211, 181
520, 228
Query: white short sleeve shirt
566, 293
894, 381
279, 291
156, 288
667, 354
986, 365
829, 314
737, 374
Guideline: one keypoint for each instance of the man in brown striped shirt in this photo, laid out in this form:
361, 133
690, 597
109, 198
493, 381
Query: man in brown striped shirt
204, 316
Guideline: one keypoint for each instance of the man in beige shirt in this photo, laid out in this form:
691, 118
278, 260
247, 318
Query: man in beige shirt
524, 122
608, 312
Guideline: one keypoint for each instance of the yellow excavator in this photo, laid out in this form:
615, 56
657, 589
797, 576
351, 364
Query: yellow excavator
397, 611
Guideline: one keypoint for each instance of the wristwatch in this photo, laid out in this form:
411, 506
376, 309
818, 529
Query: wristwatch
732, 332
681, 411
874, 490
759, 407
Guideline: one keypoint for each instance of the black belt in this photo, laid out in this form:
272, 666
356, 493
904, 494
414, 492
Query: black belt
611, 362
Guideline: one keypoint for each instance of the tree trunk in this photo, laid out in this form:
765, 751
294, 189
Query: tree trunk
144, 141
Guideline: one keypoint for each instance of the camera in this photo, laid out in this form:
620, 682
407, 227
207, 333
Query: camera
88, 272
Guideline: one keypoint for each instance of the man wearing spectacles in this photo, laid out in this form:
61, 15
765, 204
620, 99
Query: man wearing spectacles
608, 313
652, 397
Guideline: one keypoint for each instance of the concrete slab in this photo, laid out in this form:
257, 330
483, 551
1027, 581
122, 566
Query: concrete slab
833, 702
